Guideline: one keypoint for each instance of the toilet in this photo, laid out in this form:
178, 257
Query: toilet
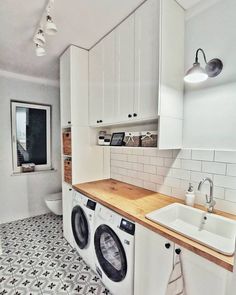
54, 203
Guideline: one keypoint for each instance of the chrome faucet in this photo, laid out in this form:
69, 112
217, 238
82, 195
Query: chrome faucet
210, 202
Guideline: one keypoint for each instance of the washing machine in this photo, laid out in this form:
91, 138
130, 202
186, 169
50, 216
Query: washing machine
82, 223
114, 251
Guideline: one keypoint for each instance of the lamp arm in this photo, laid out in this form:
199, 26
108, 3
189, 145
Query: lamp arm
203, 53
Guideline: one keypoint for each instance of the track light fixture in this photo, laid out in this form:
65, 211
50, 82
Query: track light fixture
46, 25
51, 28
40, 51
198, 74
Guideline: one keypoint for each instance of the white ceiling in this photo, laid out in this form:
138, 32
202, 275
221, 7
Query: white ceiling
79, 22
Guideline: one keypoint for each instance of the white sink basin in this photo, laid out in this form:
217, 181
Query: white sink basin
213, 231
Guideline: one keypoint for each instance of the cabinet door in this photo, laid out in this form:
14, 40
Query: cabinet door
67, 195
147, 59
202, 276
109, 85
153, 262
125, 69
96, 79
65, 90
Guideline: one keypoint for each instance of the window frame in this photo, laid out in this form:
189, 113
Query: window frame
47, 108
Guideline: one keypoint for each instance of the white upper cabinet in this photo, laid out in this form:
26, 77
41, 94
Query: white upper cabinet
65, 89
109, 85
146, 60
74, 85
125, 69
96, 82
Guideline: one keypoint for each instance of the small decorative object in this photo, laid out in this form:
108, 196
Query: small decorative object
101, 137
132, 139
107, 139
117, 139
190, 196
29, 167
149, 139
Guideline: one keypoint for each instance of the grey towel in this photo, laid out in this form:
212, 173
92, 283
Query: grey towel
176, 281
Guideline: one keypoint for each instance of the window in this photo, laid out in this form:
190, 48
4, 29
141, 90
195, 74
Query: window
31, 135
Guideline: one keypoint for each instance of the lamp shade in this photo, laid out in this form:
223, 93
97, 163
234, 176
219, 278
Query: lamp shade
196, 74
40, 51
50, 28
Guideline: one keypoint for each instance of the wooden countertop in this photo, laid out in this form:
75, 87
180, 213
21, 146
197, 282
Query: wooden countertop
134, 203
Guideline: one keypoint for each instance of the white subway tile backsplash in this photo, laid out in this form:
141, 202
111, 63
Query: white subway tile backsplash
225, 156
165, 153
230, 195
198, 176
231, 169
214, 167
182, 154
169, 172
151, 152
163, 189
174, 163
144, 159
157, 179
192, 165
203, 155
119, 157
157, 161
172, 182
133, 158
149, 185
180, 173
149, 169
137, 166
225, 181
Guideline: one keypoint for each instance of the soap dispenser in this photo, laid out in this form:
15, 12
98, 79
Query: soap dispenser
190, 196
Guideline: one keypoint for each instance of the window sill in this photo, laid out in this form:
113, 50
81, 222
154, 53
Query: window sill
33, 173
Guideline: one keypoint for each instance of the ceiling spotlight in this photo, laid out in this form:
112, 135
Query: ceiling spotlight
39, 37
197, 74
40, 51
50, 28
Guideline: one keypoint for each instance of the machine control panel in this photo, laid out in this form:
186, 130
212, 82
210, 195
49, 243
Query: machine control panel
127, 226
91, 204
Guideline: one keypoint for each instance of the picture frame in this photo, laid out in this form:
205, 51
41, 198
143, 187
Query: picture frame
117, 139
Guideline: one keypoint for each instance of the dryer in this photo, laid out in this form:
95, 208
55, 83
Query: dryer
114, 251
82, 223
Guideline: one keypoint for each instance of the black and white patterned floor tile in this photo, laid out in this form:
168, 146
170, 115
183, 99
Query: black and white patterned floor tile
37, 260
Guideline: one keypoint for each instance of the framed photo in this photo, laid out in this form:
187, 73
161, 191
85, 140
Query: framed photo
117, 139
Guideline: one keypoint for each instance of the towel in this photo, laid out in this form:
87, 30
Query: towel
176, 281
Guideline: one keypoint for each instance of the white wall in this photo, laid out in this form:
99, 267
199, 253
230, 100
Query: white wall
209, 108
23, 196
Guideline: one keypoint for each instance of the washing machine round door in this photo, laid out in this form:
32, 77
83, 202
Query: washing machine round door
110, 253
80, 227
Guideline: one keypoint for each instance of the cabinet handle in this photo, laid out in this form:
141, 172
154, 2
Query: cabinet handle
100, 121
167, 245
69, 122
178, 251
135, 115
70, 189
129, 116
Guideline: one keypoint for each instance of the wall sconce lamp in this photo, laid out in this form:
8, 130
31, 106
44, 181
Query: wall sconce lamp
198, 74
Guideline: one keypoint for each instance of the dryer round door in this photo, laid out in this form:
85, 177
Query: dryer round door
110, 253
80, 227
